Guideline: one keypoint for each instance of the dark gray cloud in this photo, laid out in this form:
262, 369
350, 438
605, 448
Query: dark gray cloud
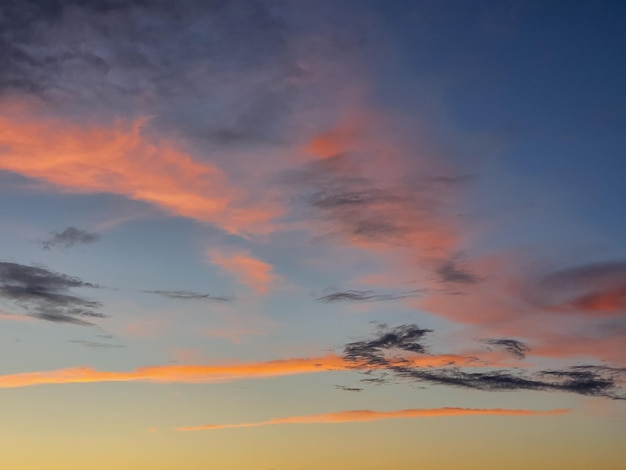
46, 295
452, 271
68, 238
189, 295
364, 296
512, 346
594, 288
345, 388
379, 357
225, 69
407, 338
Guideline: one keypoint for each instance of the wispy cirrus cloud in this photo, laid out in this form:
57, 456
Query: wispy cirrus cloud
46, 295
68, 238
360, 416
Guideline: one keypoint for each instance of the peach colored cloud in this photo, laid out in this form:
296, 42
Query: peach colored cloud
246, 269
122, 158
353, 416
14, 317
187, 373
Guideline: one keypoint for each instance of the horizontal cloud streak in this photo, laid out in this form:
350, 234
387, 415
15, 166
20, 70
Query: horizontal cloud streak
189, 295
359, 416
209, 373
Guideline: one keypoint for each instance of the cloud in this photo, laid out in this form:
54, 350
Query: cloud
407, 338
68, 238
179, 373
359, 416
46, 295
135, 50
185, 373
363, 296
189, 295
451, 271
383, 352
345, 388
122, 159
594, 289
358, 190
246, 269
512, 346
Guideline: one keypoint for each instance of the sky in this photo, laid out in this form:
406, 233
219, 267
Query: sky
299, 235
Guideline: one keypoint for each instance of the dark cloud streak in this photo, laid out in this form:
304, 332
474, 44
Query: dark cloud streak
46, 294
363, 296
189, 295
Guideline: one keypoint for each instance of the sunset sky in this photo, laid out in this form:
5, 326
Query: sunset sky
312, 234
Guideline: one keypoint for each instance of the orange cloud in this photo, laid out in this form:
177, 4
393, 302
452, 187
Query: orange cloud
178, 373
353, 416
246, 269
186, 373
121, 159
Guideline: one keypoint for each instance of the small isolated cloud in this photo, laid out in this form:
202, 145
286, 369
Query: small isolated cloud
345, 388
189, 295
359, 416
452, 271
68, 238
363, 296
248, 270
512, 346
383, 352
46, 295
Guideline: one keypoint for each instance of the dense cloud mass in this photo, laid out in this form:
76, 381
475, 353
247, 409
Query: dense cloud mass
46, 294
382, 353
